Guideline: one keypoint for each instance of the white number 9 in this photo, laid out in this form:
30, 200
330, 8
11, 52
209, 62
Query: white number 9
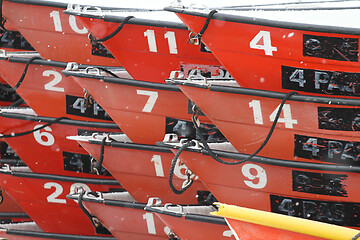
260, 175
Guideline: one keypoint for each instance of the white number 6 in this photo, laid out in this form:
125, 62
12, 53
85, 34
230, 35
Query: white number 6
39, 136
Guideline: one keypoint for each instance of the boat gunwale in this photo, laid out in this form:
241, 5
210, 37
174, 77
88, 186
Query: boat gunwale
107, 17
133, 146
18, 59
61, 178
299, 97
269, 23
189, 216
13, 215
123, 81
271, 161
48, 235
69, 121
56, 4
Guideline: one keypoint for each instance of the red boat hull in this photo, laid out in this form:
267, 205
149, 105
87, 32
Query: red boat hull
128, 223
144, 173
44, 200
48, 92
147, 62
300, 123
54, 153
8, 204
279, 56
141, 112
61, 36
275, 187
185, 229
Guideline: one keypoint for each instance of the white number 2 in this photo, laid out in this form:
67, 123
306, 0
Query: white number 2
54, 197
57, 79
262, 41
260, 175
151, 101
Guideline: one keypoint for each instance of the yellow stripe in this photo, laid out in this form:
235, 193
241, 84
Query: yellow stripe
294, 224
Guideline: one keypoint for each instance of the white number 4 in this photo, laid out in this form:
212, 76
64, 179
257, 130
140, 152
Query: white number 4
262, 41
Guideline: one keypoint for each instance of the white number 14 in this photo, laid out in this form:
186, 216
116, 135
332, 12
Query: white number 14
258, 119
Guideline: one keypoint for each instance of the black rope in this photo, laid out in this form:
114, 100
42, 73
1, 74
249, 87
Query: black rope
93, 40
33, 130
206, 25
97, 166
108, 71
91, 217
356, 236
2, 19
214, 156
17, 103
172, 168
22, 76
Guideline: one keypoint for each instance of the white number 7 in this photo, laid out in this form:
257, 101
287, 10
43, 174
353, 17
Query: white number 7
151, 101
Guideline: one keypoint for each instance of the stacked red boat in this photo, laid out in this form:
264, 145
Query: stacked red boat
130, 108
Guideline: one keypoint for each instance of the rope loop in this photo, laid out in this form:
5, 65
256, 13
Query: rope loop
95, 41
196, 38
97, 165
94, 221
189, 181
